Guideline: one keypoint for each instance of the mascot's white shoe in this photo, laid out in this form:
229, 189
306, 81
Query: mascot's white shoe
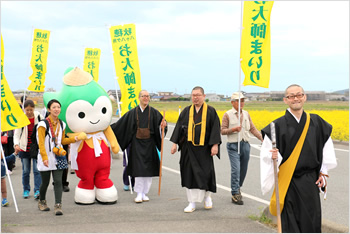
84, 196
107, 195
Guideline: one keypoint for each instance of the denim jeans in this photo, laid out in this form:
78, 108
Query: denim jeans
9, 159
26, 163
239, 164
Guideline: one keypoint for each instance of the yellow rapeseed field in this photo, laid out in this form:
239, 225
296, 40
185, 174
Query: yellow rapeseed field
339, 119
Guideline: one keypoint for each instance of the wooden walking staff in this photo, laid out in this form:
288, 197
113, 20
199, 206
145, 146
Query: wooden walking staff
161, 157
273, 138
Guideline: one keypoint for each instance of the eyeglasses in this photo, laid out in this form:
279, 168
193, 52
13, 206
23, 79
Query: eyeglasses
299, 96
146, 96
197, 95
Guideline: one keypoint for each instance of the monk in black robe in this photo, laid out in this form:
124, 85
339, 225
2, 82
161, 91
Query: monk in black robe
141, 129
198, 145
301, 211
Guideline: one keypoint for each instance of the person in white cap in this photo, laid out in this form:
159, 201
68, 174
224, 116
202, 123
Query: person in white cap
231, 127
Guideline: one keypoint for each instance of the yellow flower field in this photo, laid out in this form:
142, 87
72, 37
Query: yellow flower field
338, 119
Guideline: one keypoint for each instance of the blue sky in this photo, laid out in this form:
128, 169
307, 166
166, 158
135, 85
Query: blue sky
182, 44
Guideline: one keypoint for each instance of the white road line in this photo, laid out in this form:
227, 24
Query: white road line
225, 188
258, 147
342, 150
172, 170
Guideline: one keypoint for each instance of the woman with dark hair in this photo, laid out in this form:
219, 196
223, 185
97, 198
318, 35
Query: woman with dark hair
51, 158
22, 142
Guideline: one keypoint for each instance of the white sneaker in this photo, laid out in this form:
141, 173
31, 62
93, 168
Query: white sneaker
190, 208
138, 199
208, 203
145, 198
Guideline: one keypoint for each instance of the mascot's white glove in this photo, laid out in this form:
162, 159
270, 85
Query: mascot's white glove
81, 136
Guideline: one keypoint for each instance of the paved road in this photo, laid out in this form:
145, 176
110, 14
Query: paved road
165, 213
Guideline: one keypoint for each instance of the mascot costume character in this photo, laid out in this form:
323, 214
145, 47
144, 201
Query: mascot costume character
87, 111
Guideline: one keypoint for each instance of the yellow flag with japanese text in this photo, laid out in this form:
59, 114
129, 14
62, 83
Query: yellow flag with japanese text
255, 43
38, 62
92, 62
12, 116
126, 62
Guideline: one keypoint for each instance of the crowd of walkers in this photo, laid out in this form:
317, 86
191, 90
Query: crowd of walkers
18, 144
300, 142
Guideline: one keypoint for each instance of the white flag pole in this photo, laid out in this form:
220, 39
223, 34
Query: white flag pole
239, 80
115, 72
29, 58
118, 104
8, 176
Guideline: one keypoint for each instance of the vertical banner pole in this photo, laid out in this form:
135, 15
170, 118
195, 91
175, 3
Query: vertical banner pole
239, 80
26, 82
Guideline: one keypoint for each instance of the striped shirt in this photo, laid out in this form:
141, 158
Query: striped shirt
30, 131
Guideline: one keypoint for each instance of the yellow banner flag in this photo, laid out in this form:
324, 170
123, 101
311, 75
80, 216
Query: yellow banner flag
255, 43
126, 64
38, 61
12, 116
92, 61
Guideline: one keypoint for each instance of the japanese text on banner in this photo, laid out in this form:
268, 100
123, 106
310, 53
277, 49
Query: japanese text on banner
126, 63
38, 61
12, 116
92, 62
255, 46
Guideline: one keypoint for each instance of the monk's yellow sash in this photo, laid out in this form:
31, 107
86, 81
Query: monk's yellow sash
286, 170
192, 125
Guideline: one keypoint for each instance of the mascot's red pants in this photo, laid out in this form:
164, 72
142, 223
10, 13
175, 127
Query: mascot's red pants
94, 171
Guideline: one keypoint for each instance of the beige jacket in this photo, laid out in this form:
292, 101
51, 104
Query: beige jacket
21, 134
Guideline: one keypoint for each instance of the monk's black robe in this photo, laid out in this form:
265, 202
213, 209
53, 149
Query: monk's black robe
196, 163
302, 207
143, 159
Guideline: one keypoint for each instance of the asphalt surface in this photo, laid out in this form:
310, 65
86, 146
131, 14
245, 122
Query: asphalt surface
164, 213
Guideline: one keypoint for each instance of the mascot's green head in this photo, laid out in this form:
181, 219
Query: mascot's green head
86, 106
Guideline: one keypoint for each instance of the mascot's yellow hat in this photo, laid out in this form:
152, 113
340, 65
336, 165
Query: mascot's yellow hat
76, 77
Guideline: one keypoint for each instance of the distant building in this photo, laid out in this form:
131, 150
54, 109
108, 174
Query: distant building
156, 98
165, 93
113, 96
187, 96
316, 95
170, 97
336, 97
212, 97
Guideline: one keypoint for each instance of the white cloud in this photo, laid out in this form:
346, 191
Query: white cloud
317, 28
